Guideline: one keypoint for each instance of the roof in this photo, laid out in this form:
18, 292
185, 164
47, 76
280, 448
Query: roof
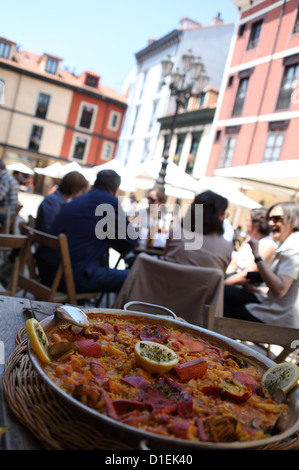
29, 62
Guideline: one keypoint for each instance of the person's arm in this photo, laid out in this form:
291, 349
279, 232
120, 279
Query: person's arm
278, 284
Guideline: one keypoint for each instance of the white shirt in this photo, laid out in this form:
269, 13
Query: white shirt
283, 311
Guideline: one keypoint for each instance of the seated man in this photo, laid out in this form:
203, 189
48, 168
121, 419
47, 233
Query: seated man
92, 222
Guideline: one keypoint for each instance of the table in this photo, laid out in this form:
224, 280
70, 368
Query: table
12, 318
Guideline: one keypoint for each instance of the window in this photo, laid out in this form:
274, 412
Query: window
254, 34
143, 84
146, 151
135, 120
192, 153
244, 77
296, 25
179, 148
230, 81
273, 147
107, 152
4, 49
114, 121
242, 30
79, 148
51, 65
229, 146
153, 116
86, 117
42, 106
91, 81
35, 138
276, 132
289, 82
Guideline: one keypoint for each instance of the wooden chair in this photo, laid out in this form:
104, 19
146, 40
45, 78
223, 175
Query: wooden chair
29, 280
8, 243
9, 224
258, 333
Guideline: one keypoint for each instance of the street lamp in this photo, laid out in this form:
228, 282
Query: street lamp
194, 74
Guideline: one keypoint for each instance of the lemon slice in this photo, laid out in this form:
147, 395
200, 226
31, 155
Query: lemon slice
154, 357
38, 340
3, 428
283, 376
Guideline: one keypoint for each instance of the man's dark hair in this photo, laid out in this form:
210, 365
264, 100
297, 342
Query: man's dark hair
107, 180
72, 183
2, 165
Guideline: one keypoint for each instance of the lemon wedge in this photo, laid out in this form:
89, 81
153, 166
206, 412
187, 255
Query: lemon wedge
3, 428
154, 357
38, 340
284, 376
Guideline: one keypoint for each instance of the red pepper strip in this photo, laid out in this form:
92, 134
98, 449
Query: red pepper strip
89, 348
111, 412
193, 369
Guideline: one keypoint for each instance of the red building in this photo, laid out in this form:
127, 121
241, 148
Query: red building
257, 119
94, 122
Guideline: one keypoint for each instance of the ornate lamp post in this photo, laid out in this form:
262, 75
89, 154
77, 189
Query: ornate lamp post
190, 82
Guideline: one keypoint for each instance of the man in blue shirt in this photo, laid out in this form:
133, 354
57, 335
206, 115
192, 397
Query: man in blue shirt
72, 185
93, 222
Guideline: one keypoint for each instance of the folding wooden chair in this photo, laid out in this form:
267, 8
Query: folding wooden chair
9, 224
257, 333
29, 279
8, 243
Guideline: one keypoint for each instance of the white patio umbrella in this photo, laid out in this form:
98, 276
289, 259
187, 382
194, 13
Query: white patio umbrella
53, 171
227, 189
280, 178
147, 173
21, 168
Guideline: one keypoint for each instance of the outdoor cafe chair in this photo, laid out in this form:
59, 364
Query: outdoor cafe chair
257, 333
11, 245
29, 279
183, 289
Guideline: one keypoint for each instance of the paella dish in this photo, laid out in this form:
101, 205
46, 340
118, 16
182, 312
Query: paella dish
162, 380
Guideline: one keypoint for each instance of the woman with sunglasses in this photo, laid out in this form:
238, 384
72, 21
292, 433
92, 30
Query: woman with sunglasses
280, 305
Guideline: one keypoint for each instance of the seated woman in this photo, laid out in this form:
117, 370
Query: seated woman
72, 184
280, 305
200, 242
243, 261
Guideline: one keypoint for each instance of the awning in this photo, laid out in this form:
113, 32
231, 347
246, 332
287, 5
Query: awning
281, 178
227, 189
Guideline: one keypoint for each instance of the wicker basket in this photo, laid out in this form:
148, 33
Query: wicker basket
45, 414
40, 410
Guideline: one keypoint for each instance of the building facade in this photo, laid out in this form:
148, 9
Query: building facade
49, 114
257, 119
149, 97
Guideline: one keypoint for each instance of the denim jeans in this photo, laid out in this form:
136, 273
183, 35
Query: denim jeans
104, 279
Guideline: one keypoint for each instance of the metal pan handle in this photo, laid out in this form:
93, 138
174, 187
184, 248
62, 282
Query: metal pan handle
137, 302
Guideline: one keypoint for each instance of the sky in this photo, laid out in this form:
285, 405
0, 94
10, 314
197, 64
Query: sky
101, 36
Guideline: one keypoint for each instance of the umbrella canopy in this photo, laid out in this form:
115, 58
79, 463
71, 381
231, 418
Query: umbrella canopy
147, 173
227, 189
21, 168
280, 177
53, 171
